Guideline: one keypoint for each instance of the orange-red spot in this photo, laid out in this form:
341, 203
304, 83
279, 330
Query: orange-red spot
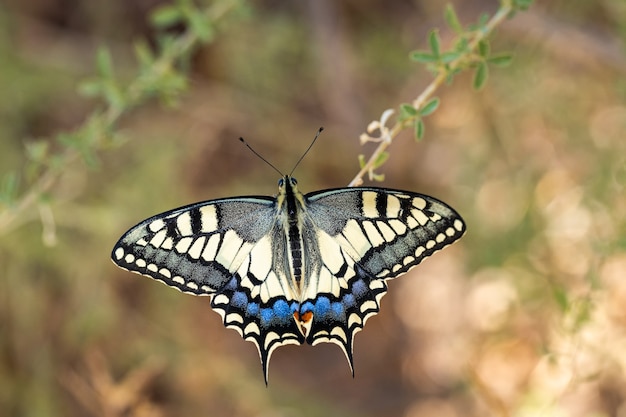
303, 318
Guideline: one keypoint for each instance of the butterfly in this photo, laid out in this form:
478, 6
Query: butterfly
296, 267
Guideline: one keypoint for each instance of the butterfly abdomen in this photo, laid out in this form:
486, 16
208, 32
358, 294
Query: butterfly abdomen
295, 248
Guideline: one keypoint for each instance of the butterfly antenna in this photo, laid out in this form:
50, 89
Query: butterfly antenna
259, 155
307, 150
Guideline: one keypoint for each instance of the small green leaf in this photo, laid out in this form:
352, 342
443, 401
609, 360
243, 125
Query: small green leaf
361, 161
104, 63
419, 129
407, 111
561, 298
461, 45
429, 107
483, 48
380, 160
450, 56
113, 95
522, 4
483, 19
480, 76
434, 41
90, 88
480, 25
500, 60
378, 177
423, 57
166, 16
452, 19
144, 54
37, 151
8, 188
201, 26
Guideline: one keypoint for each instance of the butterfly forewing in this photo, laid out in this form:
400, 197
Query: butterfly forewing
293, 268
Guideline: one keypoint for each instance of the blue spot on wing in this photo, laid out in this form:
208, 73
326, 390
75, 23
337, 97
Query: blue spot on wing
306, 307
282, 311
267, 314
252, 309
359, 288
322, 307
239, 299
349, 300
337, 310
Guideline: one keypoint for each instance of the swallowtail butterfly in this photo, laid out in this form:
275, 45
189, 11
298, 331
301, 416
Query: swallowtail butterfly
292, 268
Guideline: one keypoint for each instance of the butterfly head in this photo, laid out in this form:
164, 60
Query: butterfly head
288, 185
289, 197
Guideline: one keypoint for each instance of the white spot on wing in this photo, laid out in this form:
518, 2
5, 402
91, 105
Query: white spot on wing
398, 226
355, 237
372, 234
210, 250
338, 331
354, 319
158, 238
393, 206
330, 251
209, 218
119, 253
252, 328
196, 249
231, 243
420, 216
183, 222
368, 305
369, 204
156, 225
261, 258
271, 287
387, 232
419, 203
183, 245
220, 299
412, 223
234, 318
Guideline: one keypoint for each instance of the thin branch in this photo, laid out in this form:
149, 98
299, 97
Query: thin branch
429, 91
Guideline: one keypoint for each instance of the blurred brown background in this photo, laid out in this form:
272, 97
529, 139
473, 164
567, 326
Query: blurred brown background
525, 316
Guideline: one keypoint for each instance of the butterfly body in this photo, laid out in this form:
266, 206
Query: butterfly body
295, 268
